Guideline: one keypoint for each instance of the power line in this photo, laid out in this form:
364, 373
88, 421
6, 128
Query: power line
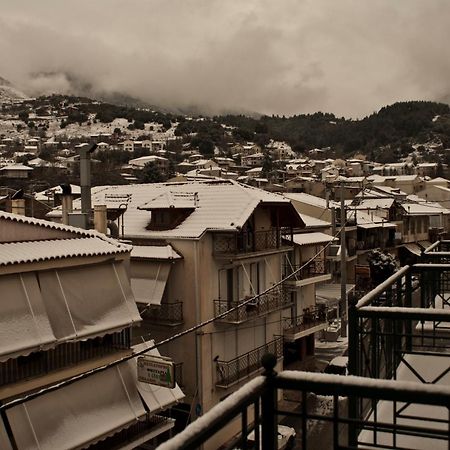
20, 400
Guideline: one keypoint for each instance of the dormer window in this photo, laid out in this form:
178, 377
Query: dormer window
170, 209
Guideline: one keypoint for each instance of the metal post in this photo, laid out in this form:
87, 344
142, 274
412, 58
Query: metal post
268, 404
353, 369
344, 306
408, 304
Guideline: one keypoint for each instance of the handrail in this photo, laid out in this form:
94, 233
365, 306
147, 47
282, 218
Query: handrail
374, 293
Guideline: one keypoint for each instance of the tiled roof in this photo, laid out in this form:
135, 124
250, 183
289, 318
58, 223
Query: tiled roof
222, 205
35, 251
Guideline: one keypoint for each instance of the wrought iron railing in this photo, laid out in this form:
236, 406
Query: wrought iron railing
402, 326
439, 252
230, 372
63, 355
332, 427
315, 267
261, 305
165, 313
247, 242
139, 430
311, 317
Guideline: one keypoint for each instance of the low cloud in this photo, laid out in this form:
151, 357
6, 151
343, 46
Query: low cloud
287, 57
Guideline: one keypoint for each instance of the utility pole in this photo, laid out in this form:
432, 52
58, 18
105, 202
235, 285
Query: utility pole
343, 306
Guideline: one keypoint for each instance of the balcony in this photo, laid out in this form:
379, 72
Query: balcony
231, 372
150, 427
311, 321
168, 314
260, 306
315, 272
228, 245
334, 427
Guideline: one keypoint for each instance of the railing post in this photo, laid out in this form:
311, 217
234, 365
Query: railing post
408, 304
268, 404
353, 352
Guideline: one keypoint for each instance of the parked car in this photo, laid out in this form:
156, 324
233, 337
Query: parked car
286, 438
338, 366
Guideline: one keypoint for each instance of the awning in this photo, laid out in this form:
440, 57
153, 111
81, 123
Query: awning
154, 252
24, 323
78, 414
330, 293
413, 248
157, 398
312, 238
88, 301
377, 225
148, 282
41, 309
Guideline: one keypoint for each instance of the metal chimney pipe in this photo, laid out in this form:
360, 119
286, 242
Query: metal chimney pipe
66, 202
85, 178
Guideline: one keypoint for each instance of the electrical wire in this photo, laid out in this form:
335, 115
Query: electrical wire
54, 387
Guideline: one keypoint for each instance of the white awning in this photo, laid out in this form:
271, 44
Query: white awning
24, 324
331, 293
312, 238
377, 225
78, 414
154, 252
148, 285
157, 398
413, 248
88, 301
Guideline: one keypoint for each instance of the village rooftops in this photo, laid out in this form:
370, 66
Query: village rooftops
222, 205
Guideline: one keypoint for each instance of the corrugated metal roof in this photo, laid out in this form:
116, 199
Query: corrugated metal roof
222, 205
35, 251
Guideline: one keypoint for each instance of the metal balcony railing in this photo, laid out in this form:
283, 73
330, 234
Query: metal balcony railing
230, 372
165, 313
264, 304
248, 242
150, 424
334, 427
403, 326
63, 355
311, 318
439, 252
315, 268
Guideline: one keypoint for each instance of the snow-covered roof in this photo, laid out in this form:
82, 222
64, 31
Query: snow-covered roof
35, 251
154, 252
376, 203
313, 222
16, 167
312, 238
309, 199
422, 209
222, 205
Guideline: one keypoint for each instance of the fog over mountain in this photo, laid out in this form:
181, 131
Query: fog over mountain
276, 57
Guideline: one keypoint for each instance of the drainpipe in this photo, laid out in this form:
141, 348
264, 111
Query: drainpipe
198, 334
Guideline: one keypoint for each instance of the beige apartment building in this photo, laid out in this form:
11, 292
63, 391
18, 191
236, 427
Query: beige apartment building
201, 249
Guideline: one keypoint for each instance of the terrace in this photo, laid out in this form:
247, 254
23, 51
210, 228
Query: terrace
399, 396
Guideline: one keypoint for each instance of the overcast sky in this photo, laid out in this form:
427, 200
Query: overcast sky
349, 57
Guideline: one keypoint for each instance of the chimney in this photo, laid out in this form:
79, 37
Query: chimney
18, 206
85, 180
100, 220
66, 202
